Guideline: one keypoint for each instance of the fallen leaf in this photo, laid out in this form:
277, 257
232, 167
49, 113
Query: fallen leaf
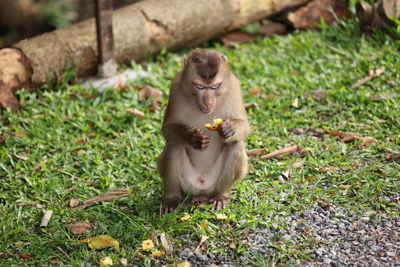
20, 134
281, 179
295, 103
294, 72
101, 242
371, 74
23, 156
297, 164
73, 202
185, 264
327, 169
202, 240
137, 113
120, 85
319, 94
231, 38
80, 227
309, 15
147, 244
22, 256
80, 152
270, 28
364, 219
39, 165
344, 186
393, 156
111, 195
185, 218
286, 173
165, 243
148, 92
286, 150
46, 218
123, 261
90, 182
38, 116
377, 98
107, 261
256, 152
157, 253
221, 217
80, 141
255, 91
88, 96
153, 236
349, 137
323, 204
381, 171
366, 141
250, 105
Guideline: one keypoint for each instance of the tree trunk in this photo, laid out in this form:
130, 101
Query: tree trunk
139, 29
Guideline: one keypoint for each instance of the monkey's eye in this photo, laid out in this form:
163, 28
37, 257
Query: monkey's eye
199, 86
215, 86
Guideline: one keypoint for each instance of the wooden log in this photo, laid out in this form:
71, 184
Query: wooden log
139, 29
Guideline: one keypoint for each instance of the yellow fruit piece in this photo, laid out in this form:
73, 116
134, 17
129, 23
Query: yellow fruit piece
147, 244
214, 125
102, 242
203, 224
221, 216
184, 264
107, 261
157, 253
185, 218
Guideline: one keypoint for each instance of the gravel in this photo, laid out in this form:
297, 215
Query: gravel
340, 239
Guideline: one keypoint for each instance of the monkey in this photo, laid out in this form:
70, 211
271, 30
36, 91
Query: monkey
195, 161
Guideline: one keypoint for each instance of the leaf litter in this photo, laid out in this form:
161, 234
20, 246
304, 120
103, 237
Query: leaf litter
111, 195
101, 242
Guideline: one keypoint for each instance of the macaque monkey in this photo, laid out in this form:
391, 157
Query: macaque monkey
195, 160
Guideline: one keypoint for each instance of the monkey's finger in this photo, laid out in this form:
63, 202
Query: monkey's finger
219, 204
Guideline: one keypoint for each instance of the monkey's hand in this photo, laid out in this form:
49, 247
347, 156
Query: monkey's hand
226, 129
198, 140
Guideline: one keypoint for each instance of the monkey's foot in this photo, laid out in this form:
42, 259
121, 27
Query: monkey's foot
170, 204
200, 199
218, 201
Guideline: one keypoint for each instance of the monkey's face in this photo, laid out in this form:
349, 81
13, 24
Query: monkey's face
207, 94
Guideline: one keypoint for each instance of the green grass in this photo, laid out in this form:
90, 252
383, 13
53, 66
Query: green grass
121, 151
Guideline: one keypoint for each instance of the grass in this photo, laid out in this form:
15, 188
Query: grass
119, 150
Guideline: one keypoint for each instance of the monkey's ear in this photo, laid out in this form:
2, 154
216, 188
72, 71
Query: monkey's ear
224, 58
186, 59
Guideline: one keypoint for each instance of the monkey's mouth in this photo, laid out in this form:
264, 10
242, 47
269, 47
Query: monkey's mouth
205, 110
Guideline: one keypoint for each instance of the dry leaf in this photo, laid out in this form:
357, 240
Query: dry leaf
147, 244
202, 240
23, 156
319, 94
111, 195
309, 15
20, 134
90, 182
185, 218
38, 116
256, 152
80, 227
270, 28
165, 243
297, 164
286, 150
349, 137
46, 218
101, 242
73, 202
295, 103
231, 38
366, 141
88, 96
80, 152
39, 165
221, 217
250, 105
80, 141
286, 173
393, 156
26, 204
255, 91
120, 85
157, 253
153, 236
323, 204
344, 186
107, 261
327, 169
371, 74
281, 179
147, 92
123, 261
185, 264
137, 113
377, 98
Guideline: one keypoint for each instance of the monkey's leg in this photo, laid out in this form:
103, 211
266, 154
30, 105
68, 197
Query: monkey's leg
235, 168
170, 168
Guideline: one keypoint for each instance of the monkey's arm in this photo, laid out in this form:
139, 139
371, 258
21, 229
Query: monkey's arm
236, 129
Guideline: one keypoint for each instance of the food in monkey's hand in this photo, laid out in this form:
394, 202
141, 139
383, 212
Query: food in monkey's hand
214, 125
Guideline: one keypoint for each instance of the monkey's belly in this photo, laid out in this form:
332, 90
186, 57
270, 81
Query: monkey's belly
201, 181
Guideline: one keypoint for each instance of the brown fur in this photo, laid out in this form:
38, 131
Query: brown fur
206, 62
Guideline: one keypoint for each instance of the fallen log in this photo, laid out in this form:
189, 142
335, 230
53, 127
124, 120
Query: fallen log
139, 29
